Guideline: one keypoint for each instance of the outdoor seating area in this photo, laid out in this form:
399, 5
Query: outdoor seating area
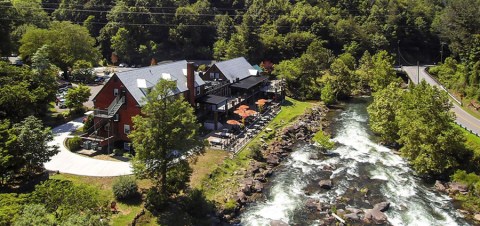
239, 133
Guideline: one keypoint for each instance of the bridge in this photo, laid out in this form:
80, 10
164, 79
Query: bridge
463, 118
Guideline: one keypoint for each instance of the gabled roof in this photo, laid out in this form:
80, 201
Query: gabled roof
236, 68
151, 75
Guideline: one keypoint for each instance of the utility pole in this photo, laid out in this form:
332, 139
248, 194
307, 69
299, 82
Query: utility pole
398, 50
418, 72
441, 53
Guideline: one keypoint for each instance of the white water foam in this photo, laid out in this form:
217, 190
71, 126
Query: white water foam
411, 202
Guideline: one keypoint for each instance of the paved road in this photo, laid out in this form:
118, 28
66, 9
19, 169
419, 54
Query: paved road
68, 162
463, 118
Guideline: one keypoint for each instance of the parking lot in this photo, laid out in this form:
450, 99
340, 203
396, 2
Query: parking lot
94, 89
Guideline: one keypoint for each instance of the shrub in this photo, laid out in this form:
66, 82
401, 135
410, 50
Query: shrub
230, 206
125, 187
323, 140
74, 143
256, 152
88, 123
118, 152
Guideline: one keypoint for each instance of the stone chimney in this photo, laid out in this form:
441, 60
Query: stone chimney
191, 83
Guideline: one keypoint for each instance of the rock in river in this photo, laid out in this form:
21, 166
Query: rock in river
383, 206
325, 184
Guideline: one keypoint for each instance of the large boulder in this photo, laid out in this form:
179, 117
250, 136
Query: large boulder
258, 186
375, 215
456, 187
383, 206
476, 217
325, 184
351, 216
277, 223
241, 197
440, 186
273, 159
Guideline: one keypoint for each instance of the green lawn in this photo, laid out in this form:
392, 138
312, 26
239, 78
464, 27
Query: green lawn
225, 177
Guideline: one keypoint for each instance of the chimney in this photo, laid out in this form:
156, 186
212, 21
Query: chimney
191, 83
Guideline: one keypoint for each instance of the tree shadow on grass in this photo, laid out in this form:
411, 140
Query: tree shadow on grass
135, 200
191, 208
287, 103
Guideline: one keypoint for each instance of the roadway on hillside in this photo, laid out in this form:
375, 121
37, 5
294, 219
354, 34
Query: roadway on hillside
67, 162
463, 118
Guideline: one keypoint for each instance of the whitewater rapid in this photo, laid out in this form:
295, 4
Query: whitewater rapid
358, 163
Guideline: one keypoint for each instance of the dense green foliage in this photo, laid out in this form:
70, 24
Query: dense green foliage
54, 202
63, 199
420, 121
258, 29
125, 187
166, 128
10, 206
77, 96
23, 150
471, 200
67, 44
25, 91
74, 143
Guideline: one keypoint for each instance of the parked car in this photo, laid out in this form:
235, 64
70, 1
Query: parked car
61, 104
99, 80
63, 84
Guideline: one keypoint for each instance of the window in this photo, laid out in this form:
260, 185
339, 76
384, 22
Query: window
197, 91
115, 92
107, 127
126, 129
217, 75
212, 75
116, 117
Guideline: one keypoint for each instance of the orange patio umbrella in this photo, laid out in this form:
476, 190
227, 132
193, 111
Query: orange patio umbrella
239, 111
233, 122
250, 112
243, 107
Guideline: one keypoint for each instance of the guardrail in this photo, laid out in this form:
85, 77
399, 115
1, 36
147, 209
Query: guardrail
443, 87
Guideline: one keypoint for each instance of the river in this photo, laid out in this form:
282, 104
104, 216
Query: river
358, 163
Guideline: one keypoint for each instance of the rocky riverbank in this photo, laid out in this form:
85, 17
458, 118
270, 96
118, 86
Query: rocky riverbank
453, 189
258, 172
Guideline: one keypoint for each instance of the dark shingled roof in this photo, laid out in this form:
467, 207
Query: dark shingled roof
212, 99
249, 82
176, 70
236, 68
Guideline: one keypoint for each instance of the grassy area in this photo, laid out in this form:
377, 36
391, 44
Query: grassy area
104, 187
225, 177
204, 165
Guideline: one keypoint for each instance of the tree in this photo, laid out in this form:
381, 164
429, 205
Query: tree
123, 44
429, 139
64, 199
34, 214
382, 72
383, 110
167, 127
328, 95
83, 71
31, 148
77, 96
457, 22
24, 92
67, 43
